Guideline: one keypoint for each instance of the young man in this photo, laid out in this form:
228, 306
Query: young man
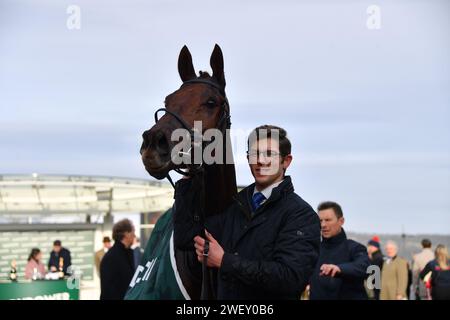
266, 244
342, 265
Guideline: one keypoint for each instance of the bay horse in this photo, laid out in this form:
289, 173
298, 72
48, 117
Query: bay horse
200, 98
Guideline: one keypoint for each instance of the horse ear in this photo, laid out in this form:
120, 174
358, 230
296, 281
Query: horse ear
185, 67
216, 63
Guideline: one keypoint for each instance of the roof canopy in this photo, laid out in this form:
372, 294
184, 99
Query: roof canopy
44, 194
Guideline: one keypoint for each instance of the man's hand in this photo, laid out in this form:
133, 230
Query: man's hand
53, 269
215, 253
329, 270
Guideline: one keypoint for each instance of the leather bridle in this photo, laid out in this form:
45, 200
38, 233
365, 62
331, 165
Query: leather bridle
225, 117
198, 172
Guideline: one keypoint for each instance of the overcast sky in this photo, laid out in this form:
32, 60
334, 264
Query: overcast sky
367, 110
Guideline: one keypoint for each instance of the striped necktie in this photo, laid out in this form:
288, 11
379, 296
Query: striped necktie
257, 199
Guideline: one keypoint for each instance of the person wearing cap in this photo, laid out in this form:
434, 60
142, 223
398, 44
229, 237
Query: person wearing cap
376, 258
100, 253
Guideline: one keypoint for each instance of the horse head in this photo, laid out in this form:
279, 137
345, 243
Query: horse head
200, 98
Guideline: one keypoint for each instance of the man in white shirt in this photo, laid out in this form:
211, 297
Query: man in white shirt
266, 243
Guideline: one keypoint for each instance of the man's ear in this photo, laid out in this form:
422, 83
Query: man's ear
342, 220
287, 161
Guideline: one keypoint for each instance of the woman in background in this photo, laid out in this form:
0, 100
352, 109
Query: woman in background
440, 274
35, 269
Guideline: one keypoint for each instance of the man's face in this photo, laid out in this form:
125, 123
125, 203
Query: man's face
57, 249
330, 224
128, 238
107, 244
266, 164
391, 250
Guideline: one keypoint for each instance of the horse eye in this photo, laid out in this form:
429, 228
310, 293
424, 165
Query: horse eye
211, 103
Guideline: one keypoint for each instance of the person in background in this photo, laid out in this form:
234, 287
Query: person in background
342, 266
420, 260
440, 274
376, 258
394, 275
35, 269
137, 252
57, 253
100, 253
117, 266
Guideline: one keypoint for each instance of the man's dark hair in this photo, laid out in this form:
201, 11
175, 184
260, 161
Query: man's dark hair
284, 143
106, 239
331, 205
120, 228
426, 243
57, 243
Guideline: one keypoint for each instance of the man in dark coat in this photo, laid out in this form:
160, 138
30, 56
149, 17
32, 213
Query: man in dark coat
117, 266
342, 265
266, 243
59, 254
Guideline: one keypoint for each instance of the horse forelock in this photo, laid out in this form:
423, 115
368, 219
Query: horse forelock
204, 74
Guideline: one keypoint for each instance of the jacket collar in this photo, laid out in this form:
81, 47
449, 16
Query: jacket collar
340, 237
120, 245
267, 192
283, 188
244, 197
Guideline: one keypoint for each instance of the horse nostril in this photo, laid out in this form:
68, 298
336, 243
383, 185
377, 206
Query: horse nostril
145, 139
161, 143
